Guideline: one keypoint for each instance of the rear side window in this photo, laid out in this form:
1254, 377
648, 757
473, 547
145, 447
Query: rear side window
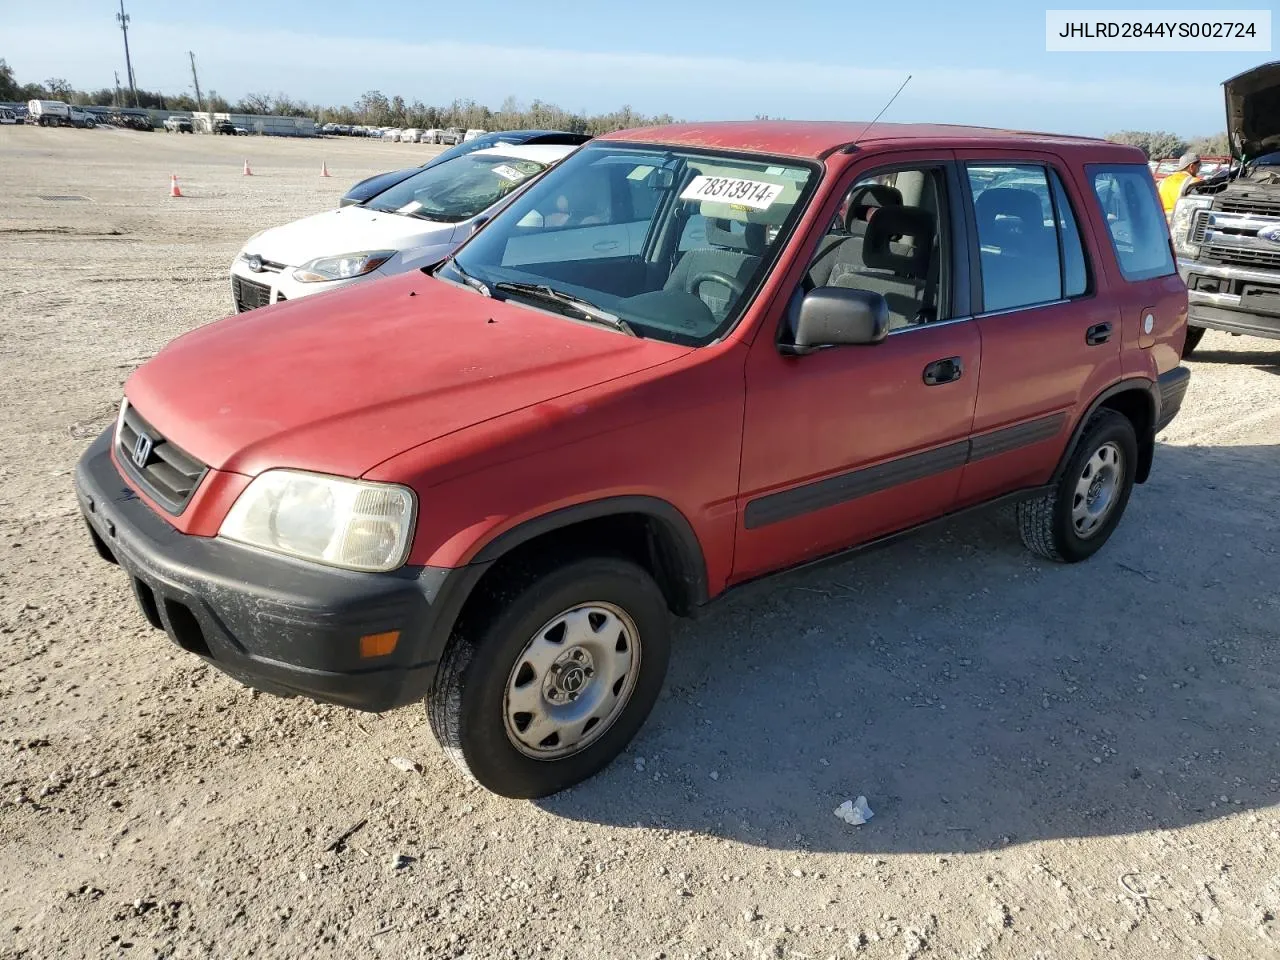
1135, 220
1030, 244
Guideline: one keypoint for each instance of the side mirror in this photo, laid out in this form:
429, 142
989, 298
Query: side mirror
838, 316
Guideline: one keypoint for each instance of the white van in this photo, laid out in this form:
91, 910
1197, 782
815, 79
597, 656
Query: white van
473, 133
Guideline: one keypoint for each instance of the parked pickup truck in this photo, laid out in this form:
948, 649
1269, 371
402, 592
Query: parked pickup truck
668, 367
1226, 228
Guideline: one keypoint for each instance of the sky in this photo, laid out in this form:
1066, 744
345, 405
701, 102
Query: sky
976, 61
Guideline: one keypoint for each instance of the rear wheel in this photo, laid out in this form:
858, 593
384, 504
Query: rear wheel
1072, 522
1194, 336
550, 687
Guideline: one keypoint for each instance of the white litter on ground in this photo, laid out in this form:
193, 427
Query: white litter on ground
854, 812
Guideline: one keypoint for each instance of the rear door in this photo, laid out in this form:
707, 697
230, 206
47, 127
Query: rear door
1050, 339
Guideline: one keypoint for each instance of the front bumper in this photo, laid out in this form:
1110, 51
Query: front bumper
1246, 300
276, 624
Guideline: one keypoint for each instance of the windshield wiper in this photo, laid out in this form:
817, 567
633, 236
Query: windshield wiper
584, 308
474, 283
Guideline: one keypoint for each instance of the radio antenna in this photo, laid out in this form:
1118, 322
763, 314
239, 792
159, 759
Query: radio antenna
859, 137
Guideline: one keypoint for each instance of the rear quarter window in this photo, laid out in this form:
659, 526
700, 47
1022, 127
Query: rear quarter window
1135, 220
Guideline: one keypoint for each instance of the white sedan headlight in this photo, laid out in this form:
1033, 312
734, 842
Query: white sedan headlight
342, 267
1184, 221
331, 520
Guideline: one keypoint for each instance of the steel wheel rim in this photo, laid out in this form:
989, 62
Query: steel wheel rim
571, 681
1097, 490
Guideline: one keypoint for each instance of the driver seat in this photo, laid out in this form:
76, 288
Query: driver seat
734, 254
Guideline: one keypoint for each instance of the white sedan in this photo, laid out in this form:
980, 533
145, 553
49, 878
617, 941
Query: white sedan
417, 222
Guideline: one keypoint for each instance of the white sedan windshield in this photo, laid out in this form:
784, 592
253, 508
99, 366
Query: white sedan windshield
457, 189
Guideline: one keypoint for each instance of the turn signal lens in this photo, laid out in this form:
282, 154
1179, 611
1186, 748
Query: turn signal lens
379, 644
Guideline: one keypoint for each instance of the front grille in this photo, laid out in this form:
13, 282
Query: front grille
249, 295
1264, 205
1246, 256
167, 474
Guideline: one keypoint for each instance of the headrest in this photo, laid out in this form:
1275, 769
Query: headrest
890, 223
720, 234
1010, 202
866, 196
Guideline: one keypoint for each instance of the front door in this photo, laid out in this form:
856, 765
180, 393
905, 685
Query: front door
848, 443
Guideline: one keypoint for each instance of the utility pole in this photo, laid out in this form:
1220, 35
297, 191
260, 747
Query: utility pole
196, 80
123, 19
115, 102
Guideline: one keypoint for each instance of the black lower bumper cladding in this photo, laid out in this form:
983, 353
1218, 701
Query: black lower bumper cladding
277, 624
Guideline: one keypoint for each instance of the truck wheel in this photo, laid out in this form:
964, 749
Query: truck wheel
1072, 522
552, 686
1194, 336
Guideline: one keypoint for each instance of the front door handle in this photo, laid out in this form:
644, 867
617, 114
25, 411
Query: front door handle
604, 246
1098, 333
948, 370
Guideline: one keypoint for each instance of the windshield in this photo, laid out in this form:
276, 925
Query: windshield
673, 242
458, 189
471, 146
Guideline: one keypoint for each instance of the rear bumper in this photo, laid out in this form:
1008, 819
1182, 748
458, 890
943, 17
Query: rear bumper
276, 624
1246, 300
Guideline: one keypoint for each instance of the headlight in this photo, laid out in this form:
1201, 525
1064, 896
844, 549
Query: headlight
330, 520
1183, 223
340, 268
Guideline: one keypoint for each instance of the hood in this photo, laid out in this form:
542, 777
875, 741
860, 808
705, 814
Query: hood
346, 230
339, 383
1253, 111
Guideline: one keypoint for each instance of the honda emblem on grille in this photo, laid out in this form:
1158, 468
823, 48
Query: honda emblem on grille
254, 262
141, 450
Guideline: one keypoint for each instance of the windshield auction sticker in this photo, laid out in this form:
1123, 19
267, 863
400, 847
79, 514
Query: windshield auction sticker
1157, 31
747, 193
508, 173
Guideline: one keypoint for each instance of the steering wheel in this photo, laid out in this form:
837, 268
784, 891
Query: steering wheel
714, 276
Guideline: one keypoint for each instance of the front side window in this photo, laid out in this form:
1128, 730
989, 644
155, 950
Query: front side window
1135, 220
457, 189
670, 241
891, 236
1030, 246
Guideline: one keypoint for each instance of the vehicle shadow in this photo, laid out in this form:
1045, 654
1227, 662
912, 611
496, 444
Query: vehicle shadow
1268, 360
979, 696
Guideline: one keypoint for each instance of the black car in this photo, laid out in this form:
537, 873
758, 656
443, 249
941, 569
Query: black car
374, 185
224, 126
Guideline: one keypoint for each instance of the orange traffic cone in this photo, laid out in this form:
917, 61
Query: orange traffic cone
324, 169
247, 171
173, 186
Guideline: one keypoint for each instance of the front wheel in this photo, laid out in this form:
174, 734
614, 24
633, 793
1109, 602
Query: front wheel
1074, 520
549, 688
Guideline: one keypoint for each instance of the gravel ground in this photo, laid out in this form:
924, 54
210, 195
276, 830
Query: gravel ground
1062, 761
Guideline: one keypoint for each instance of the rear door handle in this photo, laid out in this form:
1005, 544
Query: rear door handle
948, 370
1098, 333
605, 245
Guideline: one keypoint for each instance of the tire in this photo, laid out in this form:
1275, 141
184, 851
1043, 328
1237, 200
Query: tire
477, 724
1068, 524
1194, 336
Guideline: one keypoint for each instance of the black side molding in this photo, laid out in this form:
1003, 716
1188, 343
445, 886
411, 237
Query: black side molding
830, 491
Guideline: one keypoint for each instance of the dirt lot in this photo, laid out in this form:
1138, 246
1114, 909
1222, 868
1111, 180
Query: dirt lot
1063, 761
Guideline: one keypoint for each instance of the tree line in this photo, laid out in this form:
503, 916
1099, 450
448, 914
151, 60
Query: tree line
373, 108
1160, 144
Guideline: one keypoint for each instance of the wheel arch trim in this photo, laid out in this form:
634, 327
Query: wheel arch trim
1143, 385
